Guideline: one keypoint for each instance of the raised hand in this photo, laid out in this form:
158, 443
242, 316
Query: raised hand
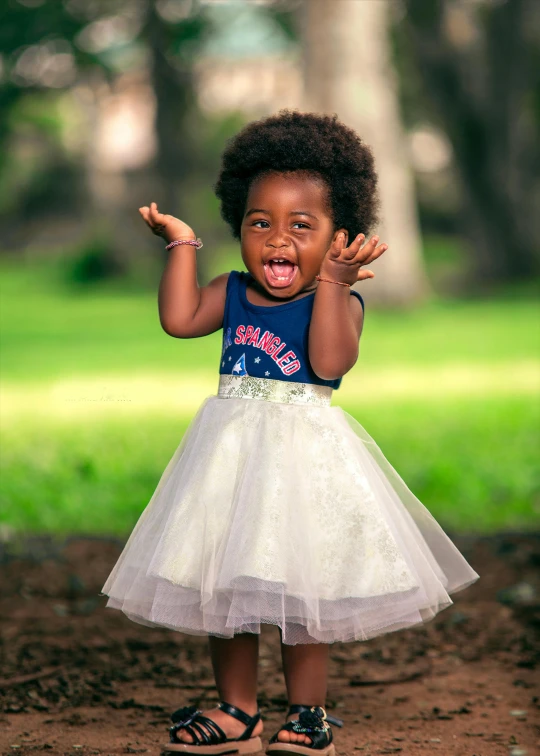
343, 263
166, 226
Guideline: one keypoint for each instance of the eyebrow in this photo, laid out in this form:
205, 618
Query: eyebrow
254, 210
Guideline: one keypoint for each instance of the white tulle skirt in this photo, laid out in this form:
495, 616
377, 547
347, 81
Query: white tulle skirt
277, 508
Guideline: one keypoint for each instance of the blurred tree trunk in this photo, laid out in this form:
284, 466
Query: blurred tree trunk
174, 89
480, 75
348, 71
112, 188
168, 179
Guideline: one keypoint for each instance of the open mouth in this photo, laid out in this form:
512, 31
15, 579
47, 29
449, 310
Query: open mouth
280, 273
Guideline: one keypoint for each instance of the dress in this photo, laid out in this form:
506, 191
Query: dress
278, 508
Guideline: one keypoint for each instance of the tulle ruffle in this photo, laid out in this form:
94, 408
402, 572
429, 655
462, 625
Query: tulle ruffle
284, 514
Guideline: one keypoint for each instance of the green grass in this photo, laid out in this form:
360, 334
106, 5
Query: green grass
448, 391
471, 463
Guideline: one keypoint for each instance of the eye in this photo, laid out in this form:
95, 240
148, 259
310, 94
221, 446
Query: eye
301, 224
260, 221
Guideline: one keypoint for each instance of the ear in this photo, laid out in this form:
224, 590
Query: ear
341, 231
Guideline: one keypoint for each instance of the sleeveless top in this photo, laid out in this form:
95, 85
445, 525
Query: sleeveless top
268, 341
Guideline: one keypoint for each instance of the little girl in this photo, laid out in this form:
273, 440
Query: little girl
278, 508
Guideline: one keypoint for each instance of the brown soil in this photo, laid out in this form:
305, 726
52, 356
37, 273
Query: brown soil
77, 678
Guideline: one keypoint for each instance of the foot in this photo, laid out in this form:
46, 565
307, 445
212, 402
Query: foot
286, 736
231, 726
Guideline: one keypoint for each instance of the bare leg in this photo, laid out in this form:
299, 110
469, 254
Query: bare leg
305, 667
234, 662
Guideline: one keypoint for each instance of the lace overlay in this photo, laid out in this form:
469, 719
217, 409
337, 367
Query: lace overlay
270, 390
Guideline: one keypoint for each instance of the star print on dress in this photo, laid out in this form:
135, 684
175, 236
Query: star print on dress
257, 360
223, 364
239, 367
230, 358
267, 373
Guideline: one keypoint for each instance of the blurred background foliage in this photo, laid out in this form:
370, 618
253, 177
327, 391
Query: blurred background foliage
106, 105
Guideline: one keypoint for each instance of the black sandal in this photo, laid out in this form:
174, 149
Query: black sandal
212, 740
312, 721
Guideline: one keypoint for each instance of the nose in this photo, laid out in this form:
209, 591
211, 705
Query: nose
277, 239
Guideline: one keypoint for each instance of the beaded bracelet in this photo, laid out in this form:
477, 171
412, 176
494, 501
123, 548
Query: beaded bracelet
193, 242
328, 280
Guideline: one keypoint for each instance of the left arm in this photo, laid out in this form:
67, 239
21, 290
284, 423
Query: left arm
334, 331
337, 318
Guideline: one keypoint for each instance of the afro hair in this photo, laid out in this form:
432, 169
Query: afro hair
313, 143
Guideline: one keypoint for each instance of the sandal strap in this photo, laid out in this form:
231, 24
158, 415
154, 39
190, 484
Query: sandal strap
311, 724
249, 721
297, 708
204, 730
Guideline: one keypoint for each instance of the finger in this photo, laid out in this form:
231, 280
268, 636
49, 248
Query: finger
145, 214
154, 213
363, 274
369, 246
157, 218
354, 247
337, 247
381, 249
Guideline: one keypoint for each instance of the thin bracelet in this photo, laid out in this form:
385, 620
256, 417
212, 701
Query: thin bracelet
328, 280
192, 242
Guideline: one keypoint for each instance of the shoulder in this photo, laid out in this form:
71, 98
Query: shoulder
226, 280
219, 283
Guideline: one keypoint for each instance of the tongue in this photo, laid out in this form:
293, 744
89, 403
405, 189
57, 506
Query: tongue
282, 268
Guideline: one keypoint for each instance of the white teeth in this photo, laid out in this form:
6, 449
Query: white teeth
268, 268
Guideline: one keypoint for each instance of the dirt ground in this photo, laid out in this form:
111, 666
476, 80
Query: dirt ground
78, 679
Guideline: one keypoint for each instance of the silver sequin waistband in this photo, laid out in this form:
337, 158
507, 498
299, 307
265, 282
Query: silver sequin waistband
270, 390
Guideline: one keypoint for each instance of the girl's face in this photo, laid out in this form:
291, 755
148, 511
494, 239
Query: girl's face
286, 232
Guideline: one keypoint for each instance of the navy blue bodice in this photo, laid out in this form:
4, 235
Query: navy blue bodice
268, 342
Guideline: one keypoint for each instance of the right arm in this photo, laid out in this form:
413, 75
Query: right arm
185, 309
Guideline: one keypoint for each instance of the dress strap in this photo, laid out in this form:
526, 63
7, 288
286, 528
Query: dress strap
357, 294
